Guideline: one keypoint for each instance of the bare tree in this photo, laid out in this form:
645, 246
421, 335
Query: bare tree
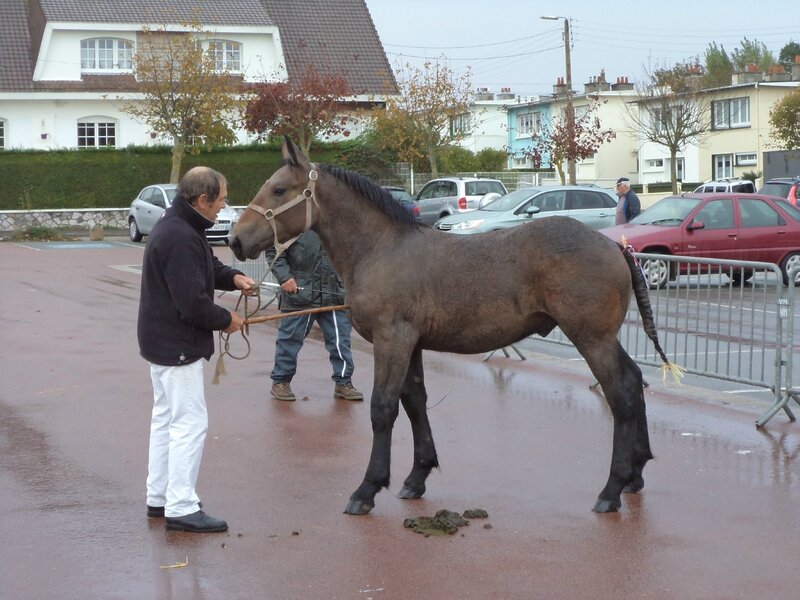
670, 110
187, 94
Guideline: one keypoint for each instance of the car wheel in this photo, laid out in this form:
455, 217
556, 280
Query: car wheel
740, 276
656, 272
133, 231
792, 261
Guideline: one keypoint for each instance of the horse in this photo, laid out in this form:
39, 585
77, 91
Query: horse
407, 286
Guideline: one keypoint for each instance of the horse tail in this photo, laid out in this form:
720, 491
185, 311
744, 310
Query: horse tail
643, 302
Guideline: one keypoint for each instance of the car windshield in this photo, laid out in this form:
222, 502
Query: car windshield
171, 193
669, 211
776, 189
511, 200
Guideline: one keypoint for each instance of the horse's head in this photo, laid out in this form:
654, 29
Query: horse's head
283, 208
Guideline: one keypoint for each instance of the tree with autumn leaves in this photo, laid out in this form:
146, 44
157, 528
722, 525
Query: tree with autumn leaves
303, 108
555, 145
185, 95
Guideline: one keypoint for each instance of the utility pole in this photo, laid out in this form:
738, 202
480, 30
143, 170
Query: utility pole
570, 111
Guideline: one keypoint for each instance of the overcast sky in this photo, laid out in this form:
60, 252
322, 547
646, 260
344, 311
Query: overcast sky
506, 44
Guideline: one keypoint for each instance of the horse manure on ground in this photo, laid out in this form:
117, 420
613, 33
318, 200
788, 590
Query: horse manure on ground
444, 522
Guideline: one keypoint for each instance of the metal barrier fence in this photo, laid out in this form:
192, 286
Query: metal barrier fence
723, 319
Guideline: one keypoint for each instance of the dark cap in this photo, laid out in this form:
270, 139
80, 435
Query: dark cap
622, 180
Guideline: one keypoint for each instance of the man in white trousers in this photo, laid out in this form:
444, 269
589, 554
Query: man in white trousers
177, 318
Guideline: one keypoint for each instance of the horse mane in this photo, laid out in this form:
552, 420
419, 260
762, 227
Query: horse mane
376, 196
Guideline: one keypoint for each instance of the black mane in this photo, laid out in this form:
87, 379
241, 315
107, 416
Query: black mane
378, 197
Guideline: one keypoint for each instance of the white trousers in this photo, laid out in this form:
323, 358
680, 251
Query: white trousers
177, 433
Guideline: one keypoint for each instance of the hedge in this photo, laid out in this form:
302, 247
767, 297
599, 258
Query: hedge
40, 180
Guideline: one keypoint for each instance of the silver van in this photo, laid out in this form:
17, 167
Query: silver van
454, 195
729, 185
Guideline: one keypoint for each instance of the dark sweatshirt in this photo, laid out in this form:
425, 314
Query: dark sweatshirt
177, 314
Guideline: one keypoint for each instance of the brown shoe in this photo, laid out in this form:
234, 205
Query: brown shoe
346, 391
283, 391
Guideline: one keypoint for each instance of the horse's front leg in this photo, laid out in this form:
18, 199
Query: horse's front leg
391, 356
415, 399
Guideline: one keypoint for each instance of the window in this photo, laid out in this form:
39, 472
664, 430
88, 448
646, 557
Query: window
717, 214
2, 134
757, 213
583, 199
655, 163
106, 54
227, 55
744, 159
730, 114
548, 202
723, 166
529, 124
96, 134
460, 125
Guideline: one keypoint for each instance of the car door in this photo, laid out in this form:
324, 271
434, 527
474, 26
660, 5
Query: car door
717, 237
594, 209
429, 200
548, 204
147, 213
764, 234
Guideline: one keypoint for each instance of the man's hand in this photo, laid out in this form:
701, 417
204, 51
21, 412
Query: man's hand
289, 286
245, 283
237, 322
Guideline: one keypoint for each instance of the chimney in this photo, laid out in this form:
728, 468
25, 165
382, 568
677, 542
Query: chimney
560, 88
622, 84
505, 94
596, 84
796, 68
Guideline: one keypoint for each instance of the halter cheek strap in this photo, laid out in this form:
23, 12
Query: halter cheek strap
270, 214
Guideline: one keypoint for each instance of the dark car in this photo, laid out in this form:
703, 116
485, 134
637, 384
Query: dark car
404, 198
785, 187
751, 227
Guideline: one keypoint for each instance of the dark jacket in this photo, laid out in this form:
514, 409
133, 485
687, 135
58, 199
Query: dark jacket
632, 205
307, 261
177, 314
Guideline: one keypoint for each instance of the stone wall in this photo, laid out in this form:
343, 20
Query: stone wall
73, 219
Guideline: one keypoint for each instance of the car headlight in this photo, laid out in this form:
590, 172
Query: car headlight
468, 224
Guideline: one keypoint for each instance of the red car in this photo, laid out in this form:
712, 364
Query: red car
751, 227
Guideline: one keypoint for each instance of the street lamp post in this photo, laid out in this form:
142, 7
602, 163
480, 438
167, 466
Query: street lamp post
570, 110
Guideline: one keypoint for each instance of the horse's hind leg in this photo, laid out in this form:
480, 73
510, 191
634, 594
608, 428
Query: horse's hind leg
621, 381
414, 399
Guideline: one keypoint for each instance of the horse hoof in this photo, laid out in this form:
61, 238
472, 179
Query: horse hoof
409, 494
606, 506
357, 507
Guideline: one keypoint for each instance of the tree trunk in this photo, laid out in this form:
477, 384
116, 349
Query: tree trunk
432, 161
561, 174
177, 158
673, 169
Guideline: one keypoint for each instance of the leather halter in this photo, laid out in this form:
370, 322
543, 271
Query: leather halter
270, 214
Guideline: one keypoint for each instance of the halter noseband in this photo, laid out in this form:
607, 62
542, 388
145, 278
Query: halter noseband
270, 214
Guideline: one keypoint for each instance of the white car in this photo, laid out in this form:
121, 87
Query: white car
153, 200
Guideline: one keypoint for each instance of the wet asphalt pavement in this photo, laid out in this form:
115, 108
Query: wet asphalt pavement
719, 517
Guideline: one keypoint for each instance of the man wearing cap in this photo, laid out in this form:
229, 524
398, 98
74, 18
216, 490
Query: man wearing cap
628, 205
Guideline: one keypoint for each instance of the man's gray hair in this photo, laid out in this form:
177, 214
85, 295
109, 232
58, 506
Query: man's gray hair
198, 181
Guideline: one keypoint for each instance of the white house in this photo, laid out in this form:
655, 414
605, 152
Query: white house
66, 66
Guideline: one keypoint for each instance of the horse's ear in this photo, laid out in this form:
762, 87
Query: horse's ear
292, 153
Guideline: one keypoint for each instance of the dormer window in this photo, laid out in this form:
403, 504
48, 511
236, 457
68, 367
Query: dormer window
227, 55
106, 54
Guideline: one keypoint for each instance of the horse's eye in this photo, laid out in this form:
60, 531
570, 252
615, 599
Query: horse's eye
279, 191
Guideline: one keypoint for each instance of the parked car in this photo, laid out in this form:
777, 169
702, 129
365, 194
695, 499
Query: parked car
404, 198
453, 195
153, 200
729, 185
729, 226
595, 207
785, 187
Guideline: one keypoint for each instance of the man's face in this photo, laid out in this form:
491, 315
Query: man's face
210, 209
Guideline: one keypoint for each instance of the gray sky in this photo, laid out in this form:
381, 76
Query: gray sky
507, 45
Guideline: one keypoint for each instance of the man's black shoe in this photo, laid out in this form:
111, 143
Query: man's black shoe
156, 512
197, 522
